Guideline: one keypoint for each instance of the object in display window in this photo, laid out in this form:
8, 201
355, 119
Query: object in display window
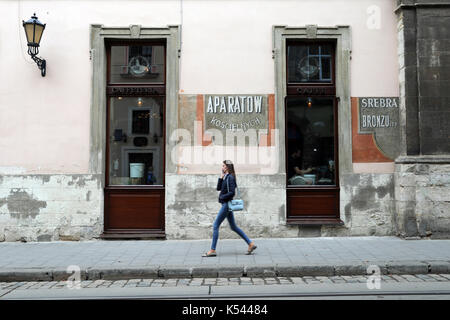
141, 122
138, 160
310, 136
137, 64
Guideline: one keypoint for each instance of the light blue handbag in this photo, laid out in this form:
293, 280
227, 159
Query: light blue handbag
235, 204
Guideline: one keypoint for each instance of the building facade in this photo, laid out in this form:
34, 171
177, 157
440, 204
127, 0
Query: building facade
336, 117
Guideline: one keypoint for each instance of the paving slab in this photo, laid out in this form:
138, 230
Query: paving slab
327, 256
329, 289
106, 293
4, 292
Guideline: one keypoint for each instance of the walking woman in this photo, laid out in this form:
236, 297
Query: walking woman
227, 185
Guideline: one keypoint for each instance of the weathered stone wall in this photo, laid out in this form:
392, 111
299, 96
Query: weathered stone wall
192, 205
50, 207
422, 199
367, 204
70, 207
367, 207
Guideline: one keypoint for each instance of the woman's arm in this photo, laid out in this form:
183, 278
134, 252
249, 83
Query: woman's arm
302, 172
219, 184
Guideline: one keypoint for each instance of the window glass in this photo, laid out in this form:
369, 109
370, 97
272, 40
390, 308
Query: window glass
136, 141
309, 63
137, 64
310, 136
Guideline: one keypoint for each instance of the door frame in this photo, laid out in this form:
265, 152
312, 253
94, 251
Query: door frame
143, 194
99, 100
342, 36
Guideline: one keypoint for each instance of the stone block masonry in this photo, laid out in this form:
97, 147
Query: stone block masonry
422, 172
50, 207
367, 207
192, 205
367, 204
423, 197
70, 207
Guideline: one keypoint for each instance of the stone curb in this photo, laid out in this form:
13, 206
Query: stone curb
409, 267
439, 267
226, 271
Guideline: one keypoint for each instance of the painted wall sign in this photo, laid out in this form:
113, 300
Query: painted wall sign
380, 116
235, 112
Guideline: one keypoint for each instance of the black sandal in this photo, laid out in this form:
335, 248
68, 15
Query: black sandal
251, 249
207, 254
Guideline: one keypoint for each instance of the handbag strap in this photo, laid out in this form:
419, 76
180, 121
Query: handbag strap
228, 186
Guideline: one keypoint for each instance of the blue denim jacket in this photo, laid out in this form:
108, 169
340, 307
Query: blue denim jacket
222, 186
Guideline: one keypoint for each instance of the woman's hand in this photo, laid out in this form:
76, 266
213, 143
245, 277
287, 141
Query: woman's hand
223, 172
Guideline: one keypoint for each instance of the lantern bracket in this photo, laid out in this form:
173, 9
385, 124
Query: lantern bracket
41, 63
33, 30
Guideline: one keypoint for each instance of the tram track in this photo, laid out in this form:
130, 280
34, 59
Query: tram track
236, 293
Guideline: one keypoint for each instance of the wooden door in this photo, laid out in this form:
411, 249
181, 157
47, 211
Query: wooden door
135, 146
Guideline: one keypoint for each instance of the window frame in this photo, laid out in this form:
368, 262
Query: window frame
129, 89
335, 144
293, 87
110, 43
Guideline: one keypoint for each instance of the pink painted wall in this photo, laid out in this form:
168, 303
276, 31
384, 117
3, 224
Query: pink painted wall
226, 49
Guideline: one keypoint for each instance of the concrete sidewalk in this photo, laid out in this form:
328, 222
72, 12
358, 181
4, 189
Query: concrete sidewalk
49, 261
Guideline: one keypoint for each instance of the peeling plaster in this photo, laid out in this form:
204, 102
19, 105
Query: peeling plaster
12, 170
282, 213
79, 181
44, 238
21, 205
178, 205
364, 198
348, 212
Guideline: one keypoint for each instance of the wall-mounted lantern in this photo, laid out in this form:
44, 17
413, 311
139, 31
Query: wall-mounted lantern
34, 30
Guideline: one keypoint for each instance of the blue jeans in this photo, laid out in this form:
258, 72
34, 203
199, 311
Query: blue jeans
224, 213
